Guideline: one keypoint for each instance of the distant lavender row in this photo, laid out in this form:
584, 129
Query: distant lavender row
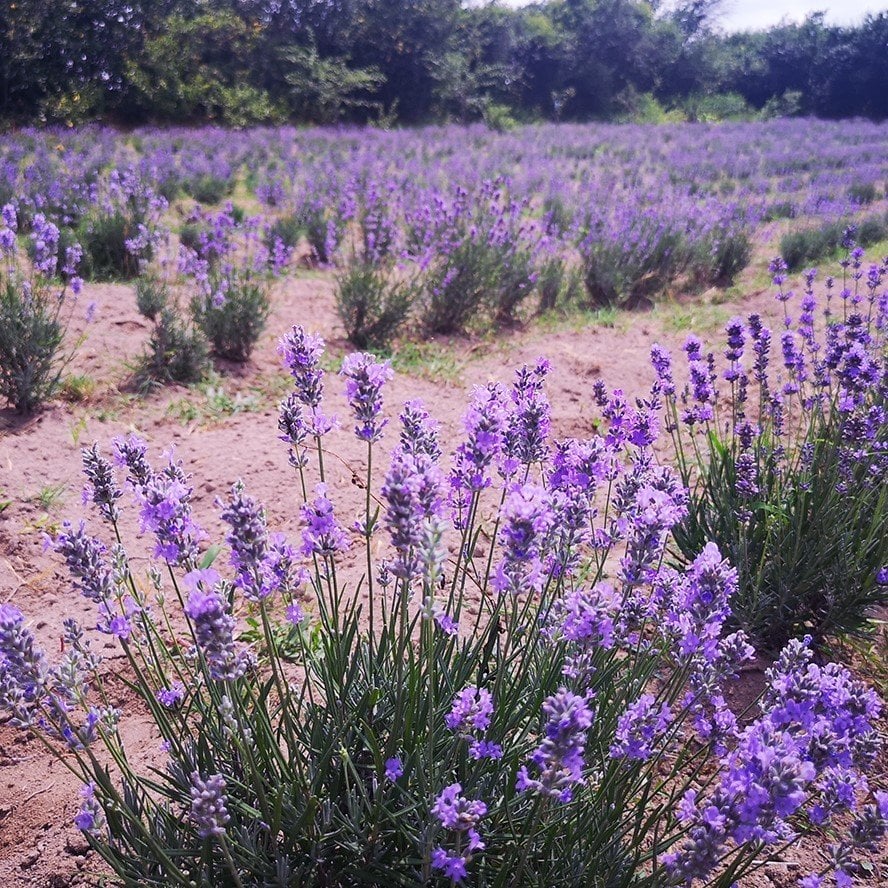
580, 173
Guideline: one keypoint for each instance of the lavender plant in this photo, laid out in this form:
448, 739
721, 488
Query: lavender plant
35, 309
121, 229
784, 454
232, 271
477, 258
374, 293
513, 690
177, 350
373, 304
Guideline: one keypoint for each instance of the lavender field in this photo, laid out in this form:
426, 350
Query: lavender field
444, 506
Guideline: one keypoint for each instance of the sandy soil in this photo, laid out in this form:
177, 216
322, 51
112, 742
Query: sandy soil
40, 475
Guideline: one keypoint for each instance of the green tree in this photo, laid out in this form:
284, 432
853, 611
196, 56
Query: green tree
195, 69
322, 90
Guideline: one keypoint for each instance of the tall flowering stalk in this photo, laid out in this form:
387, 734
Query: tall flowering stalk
543, 701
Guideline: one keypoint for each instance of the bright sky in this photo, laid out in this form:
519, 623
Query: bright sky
746, 15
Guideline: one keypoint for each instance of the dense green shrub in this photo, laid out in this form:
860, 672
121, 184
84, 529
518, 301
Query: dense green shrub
798, 248
190, 235
234, 314
207, 188
729, 254
372, 304
106, 256
625, 270
810, 244
152, 297
177, 351
289, 230
478, 260
34, 313
863, 192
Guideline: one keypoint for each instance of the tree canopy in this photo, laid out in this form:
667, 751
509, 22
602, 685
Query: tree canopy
243, 61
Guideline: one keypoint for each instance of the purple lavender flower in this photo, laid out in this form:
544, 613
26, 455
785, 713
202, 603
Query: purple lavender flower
394, 769
172, 696
131, 453
461, 815
702, 389
471, 711
294, 613
736, 340
639, 727
444, 621
586, 616
214, 631
209, 812
413, 491
23, 667
527, 519
700, 605
166, 512
658, 504
661, 361
294, 429
90, 818
86, 559
419, 431
7, 233
103, 490
527, 424
364, 379
559, 758
321, 534
45, 238
484, 423
263, 565
301, 353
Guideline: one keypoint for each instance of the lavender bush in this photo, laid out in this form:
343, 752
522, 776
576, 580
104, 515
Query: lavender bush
35, 309
477, 258
177, 350
786, 454
232, 272
514, 690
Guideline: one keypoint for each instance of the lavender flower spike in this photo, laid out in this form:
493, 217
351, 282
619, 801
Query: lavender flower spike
214, 630
364, 379
208, 805
559, 757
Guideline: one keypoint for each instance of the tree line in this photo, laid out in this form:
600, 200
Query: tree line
239, 62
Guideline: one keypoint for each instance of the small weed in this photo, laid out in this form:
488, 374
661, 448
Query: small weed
427, 360
78, 429
581, 318
44, 524
49, 496
695, 318
107, 414
216, 406
78, 387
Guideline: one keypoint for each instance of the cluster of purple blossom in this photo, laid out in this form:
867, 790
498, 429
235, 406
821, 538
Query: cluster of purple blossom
811, 746
637, 661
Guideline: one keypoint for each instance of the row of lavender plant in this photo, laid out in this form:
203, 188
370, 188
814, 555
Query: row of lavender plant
514, 689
